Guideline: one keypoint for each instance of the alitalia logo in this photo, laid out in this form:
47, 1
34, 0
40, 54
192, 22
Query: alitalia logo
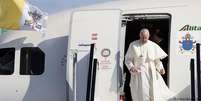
190, 28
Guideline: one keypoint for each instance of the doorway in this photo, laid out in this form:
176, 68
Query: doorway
158, 24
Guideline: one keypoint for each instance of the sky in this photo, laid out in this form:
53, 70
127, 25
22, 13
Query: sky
53, 6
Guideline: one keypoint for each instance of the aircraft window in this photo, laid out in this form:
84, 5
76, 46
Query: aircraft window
32, 61
7, 60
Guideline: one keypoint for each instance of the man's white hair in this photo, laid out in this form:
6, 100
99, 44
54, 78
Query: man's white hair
143, 30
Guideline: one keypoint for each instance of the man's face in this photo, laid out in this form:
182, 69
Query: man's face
144, 36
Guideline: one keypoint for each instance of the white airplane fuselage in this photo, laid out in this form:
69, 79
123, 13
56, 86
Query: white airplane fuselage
106, 25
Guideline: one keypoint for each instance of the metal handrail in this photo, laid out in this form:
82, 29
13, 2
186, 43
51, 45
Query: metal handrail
90, 73
74, 73
192, 68
198, 70
93, 79
93, 65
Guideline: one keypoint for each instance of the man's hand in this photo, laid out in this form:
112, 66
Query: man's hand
162, 71
135, 70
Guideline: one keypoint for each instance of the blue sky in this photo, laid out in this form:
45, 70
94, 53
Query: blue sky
52, 6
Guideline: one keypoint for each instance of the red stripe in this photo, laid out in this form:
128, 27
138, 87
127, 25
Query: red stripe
95, 38
94, 34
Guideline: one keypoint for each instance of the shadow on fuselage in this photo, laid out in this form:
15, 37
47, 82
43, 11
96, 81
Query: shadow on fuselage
51, 85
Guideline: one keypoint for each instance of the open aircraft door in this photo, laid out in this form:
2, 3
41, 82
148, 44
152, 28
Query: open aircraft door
97, 32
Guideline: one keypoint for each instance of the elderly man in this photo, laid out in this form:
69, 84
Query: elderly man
143, 61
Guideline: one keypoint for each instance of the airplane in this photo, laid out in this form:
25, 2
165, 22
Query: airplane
82, 56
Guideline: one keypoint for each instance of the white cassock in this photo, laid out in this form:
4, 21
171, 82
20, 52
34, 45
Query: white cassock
147, 84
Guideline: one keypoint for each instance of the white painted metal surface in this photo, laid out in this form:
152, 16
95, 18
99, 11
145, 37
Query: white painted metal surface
95, 27
95, 20
51, 85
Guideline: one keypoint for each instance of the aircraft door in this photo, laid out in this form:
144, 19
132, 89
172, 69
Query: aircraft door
101, 28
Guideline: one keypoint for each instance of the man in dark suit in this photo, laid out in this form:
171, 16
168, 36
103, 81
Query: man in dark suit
159, 38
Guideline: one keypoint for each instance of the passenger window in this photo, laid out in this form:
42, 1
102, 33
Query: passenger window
32, 61
7, 60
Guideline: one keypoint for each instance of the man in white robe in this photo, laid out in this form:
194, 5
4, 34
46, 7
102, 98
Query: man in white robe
143, 61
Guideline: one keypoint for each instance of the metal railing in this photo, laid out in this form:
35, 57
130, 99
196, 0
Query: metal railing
91, 75
198, 70
195, 76
192, 67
